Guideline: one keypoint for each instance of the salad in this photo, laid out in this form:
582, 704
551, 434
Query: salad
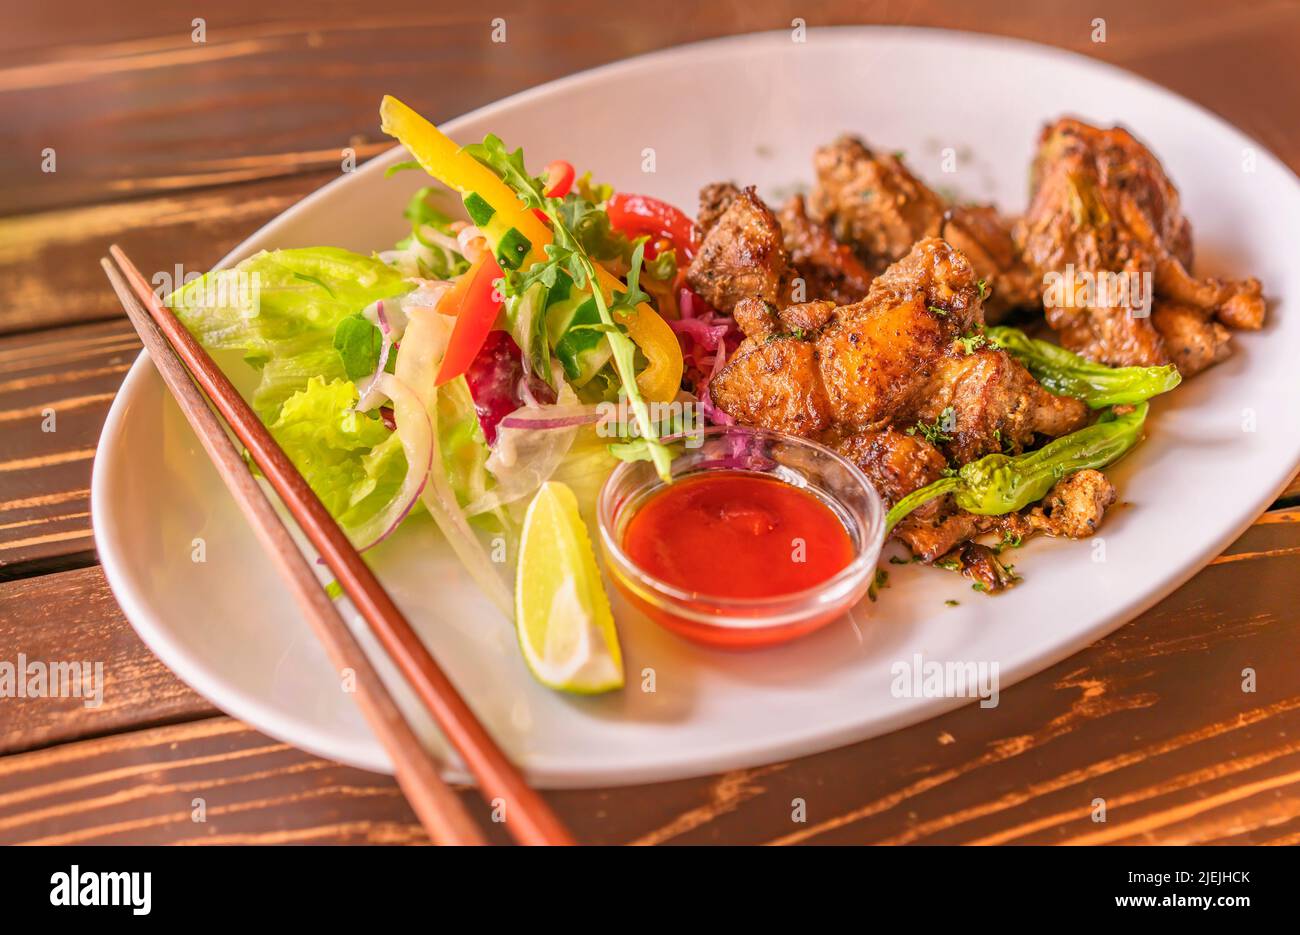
475, 364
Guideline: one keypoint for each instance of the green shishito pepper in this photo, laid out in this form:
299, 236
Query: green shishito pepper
1067, 374
998, 483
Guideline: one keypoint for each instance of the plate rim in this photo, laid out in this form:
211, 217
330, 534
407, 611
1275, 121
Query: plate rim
269, 719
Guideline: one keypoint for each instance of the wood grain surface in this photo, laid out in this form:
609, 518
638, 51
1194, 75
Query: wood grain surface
179, 149
1152, 719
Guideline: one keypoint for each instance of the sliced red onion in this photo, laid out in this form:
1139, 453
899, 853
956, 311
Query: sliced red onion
465, 237
551, 417
372, 396
531, 443
701, 331
423, 346
691, 305
427, 293
525, 391
416, 434
708, 408
431, 235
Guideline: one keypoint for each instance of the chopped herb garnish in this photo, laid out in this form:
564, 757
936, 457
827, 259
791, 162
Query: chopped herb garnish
936, 433
937, 310
983, 287
952, 603
881, 581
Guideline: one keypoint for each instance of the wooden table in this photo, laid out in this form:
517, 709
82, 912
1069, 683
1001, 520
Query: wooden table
178, 150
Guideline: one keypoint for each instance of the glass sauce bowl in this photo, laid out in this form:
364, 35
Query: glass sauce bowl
736, 622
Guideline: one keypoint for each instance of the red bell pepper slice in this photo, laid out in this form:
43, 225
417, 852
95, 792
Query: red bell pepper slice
475, 303
638, 215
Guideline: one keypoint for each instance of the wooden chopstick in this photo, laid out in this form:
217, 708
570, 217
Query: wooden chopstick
527, 817
439, 809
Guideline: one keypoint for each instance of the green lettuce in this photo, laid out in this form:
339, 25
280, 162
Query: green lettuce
351, 459
281, 309
285, 310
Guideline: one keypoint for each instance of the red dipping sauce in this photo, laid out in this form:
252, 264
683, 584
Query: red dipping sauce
737, 535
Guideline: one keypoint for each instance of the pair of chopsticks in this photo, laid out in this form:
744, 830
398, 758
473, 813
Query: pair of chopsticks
179, 357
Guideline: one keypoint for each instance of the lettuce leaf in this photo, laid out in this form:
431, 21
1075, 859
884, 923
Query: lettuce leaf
350, 459
281, 309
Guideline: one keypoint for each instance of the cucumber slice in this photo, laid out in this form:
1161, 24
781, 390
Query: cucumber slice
480, 212
581, 350
513, 248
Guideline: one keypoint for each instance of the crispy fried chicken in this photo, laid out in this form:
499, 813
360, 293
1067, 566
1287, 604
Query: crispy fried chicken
872, 202
1102, 204
743, 251
748, 251
897, 380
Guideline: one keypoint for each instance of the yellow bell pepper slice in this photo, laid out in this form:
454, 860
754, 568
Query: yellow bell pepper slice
446, 161
661, 380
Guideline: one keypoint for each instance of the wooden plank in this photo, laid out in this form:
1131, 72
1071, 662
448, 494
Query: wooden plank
1152, 719
49, 262
55, 390
71, 618
264, 96
145, 786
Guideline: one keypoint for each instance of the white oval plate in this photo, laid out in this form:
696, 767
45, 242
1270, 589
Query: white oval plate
751, 109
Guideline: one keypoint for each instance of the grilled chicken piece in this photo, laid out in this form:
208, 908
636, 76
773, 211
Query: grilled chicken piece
1073, 509
1102, 204
872, 202
743, 252
1192, 339
981, 233
762, 321
994, 404
829, 269
774, 383
893, 358
876, 357
896, 463
748, 251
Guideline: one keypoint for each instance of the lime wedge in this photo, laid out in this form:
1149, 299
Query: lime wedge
566, 629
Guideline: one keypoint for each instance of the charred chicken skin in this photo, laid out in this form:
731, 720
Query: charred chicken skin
894, 379
1102, 205
872, 202
748, 251
863, 310
899, 383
